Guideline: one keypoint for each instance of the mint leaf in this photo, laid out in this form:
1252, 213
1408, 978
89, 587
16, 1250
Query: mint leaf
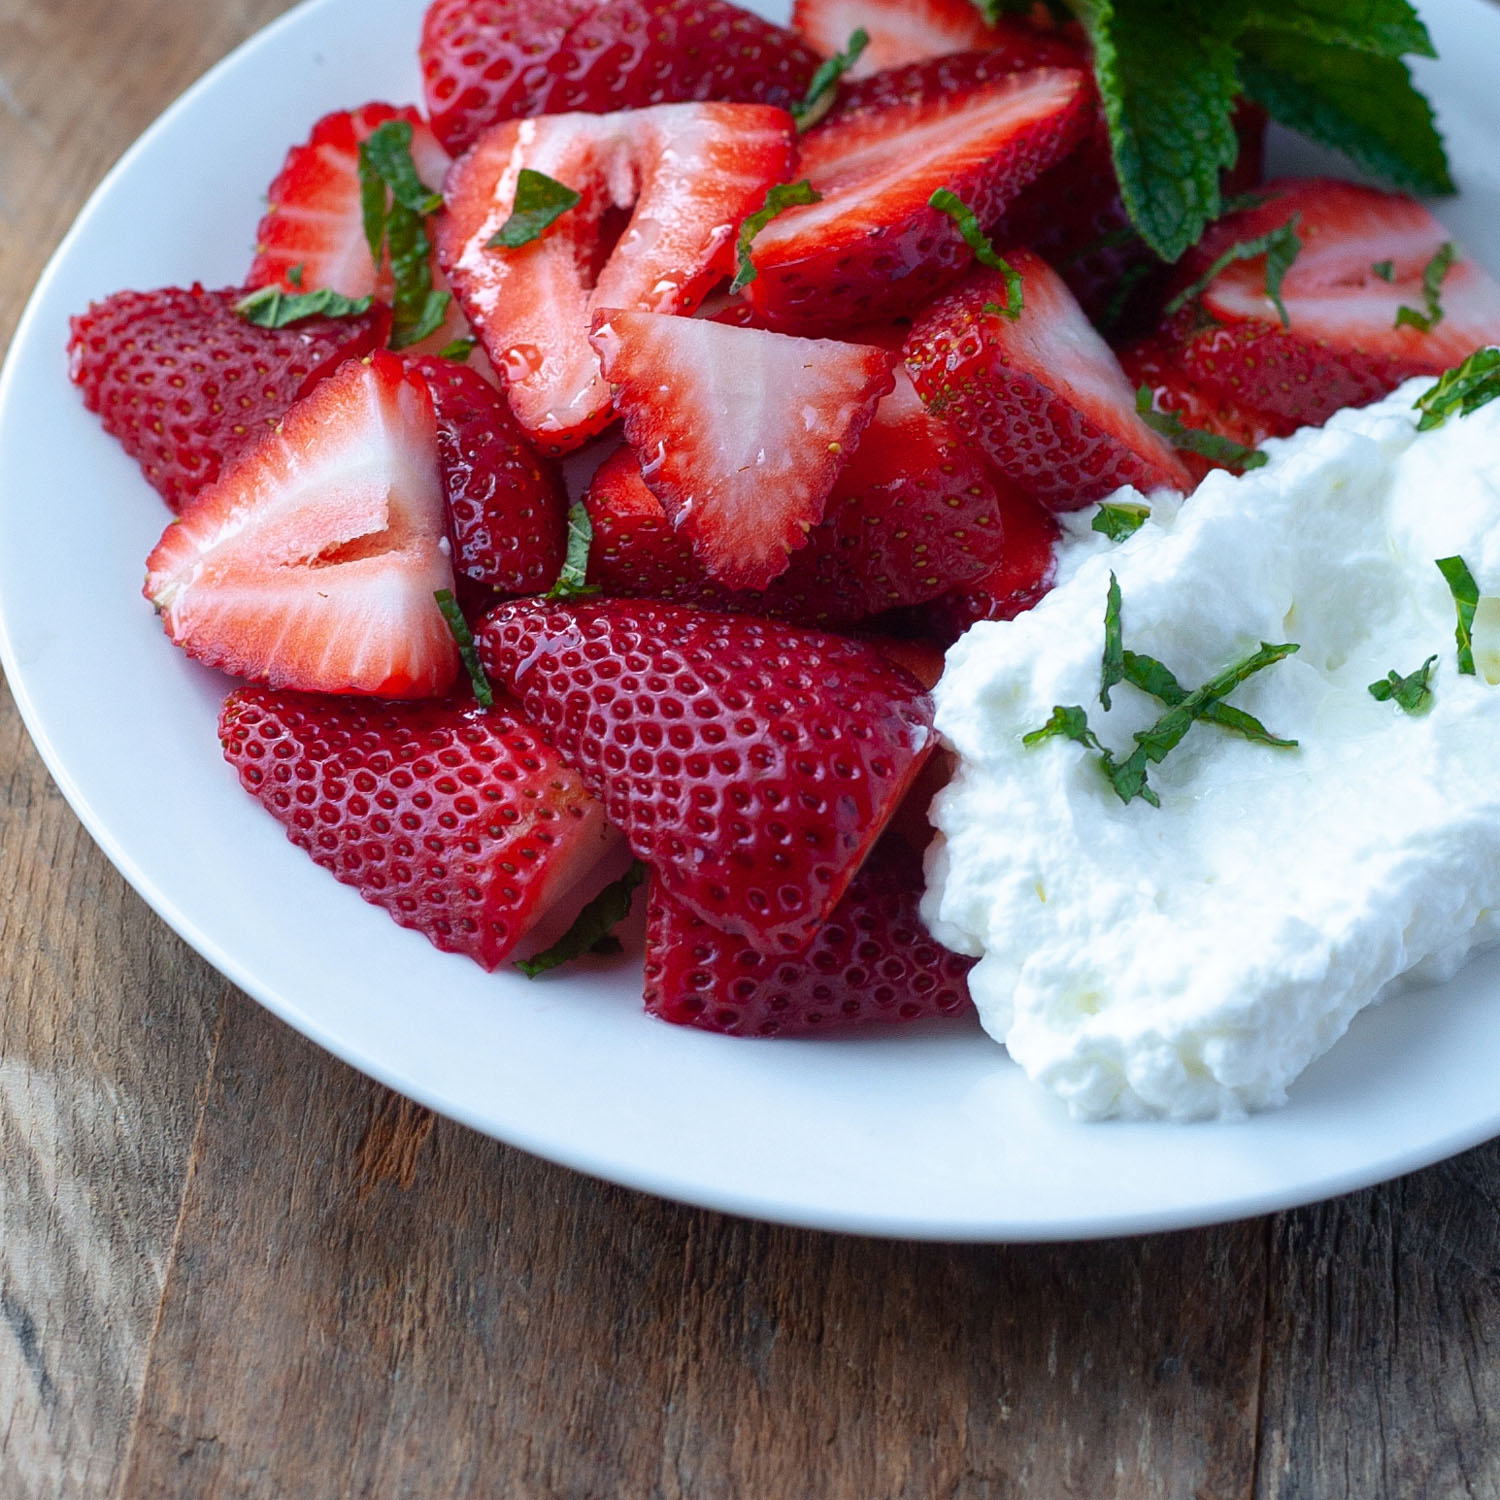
1389, 28
1113, 665
824, 87
1385, 269
417, 310
592, 928
1433, 276
1474, 383
459, 350
1209, 445
387, 150
270, 307
945, 200
539, 203
1360, 104
1151, 676
572, 581
295, 276
1120, 520
1281, 247
1067, 723
464, 639
778, 199
1410, 692
1465, 601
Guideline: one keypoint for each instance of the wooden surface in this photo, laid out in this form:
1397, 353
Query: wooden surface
229, 1266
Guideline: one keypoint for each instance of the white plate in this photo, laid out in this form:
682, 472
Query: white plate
929, 1132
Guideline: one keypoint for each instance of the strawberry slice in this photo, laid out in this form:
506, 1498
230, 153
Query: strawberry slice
312, 562
459, 821
1343, 346
900, 31
691, 172
871, 963
743, 432
484, 61
753, 765
186, 385
873, 247
1042, 395
507, 508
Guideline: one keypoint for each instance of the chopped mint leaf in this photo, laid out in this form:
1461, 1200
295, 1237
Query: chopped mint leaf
388, 152
540, 202
1433, 276
1119, 520
1151, 676
1410, 692
295, 276
948, 202
464, 639
1069, 723
593, 927
417, 310
459, 350
823, 89
1209, 445
1465, 601
270, 307
1474, 383
1385, 269
1279, 246
1113, 665
571, 582
778, 199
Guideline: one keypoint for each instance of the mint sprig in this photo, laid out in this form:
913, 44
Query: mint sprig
539, 203
593, 928
1464, 389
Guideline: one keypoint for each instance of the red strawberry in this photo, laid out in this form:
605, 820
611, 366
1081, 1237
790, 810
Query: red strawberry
871, 963
314, 220
1343, 347
900, 31
459, 821
743, 432
691, 172
186, 385
313, 561
753, 765
484, 61
1041, 395
507, 509
1012, 48
873, 247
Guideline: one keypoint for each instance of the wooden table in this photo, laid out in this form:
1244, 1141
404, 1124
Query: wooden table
229, 1266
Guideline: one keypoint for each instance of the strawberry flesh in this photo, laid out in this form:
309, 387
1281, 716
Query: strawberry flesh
752, 764
900, 31
458, 821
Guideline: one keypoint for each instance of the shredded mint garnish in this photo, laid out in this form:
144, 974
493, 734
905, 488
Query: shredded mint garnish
1384, 269
459, 350
1465, 593
1474, 383
1113, 666
295, 276
1151, 676
1410, 692
1433, 276
823, 89
571, 582
778, 199
1120, 520
270, 307
539, 203
1068, 723
464, 639
948, 202
593, 927
1209, 445
1279, 246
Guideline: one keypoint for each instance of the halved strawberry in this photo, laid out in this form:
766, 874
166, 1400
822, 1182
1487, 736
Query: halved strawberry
507, 508
1343, 346
871, 963
186, 385
873, 247
753, 765
900, 31
484, 61
742, 433
312, 562
1042, 394
690, 172
461, 822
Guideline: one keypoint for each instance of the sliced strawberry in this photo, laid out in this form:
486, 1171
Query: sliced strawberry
1343, 347
691, 173
186, 384
459, 821
871, 963
484, 61
753, 765
900, 31
873, 247
742, 432
1011, 47
313, 561
507, 508
1042, 395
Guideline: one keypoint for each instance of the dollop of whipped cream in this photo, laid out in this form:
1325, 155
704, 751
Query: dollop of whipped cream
1190, 960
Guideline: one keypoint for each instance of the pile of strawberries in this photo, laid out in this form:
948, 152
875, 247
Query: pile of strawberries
848, 412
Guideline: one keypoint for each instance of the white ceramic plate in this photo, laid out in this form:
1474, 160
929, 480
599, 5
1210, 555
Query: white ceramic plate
927, 1132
